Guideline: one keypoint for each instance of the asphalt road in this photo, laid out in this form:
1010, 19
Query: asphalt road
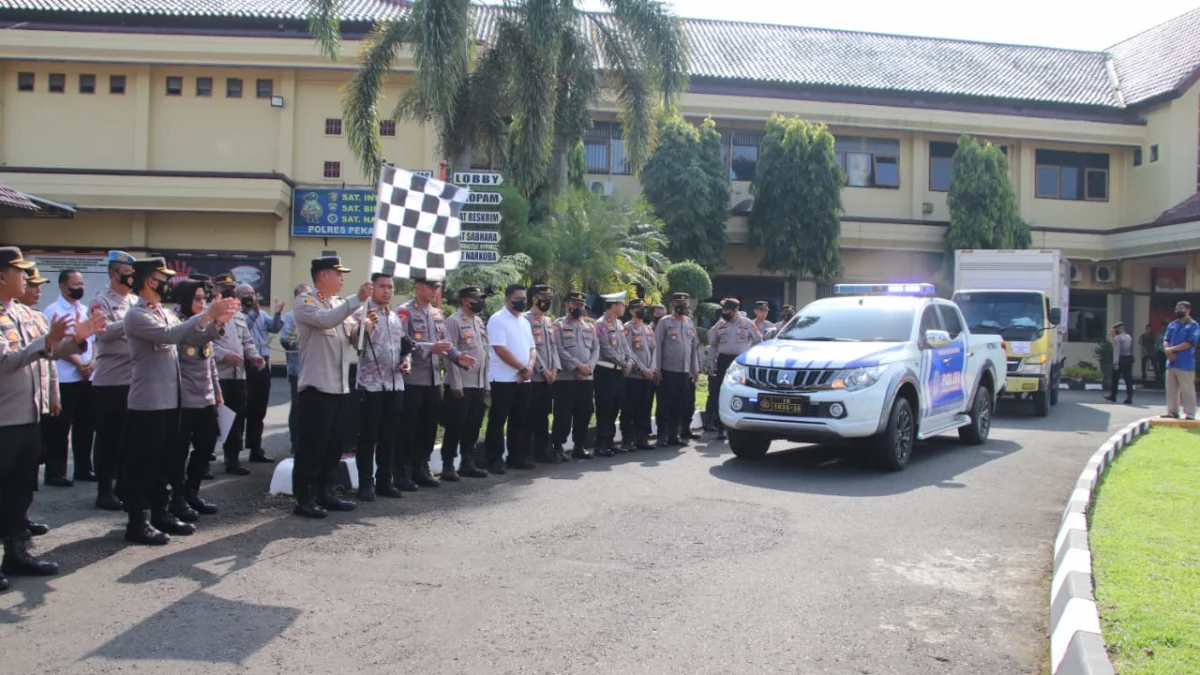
661, 562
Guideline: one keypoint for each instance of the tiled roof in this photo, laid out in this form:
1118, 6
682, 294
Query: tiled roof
1157, 61
1147, 65
1185, 211
16, 200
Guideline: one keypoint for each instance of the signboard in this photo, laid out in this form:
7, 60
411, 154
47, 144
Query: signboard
326, 212
482, 217
93, 267
254, 271
478, 178
480, 246
485, 198
1169, 279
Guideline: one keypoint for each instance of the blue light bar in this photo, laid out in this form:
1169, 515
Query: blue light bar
917, 290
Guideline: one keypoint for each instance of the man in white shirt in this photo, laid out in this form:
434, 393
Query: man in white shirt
76, 421
513, 354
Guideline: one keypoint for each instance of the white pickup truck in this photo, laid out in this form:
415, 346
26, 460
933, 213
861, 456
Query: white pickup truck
888, 364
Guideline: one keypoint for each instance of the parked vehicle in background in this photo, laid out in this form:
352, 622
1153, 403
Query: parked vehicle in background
1021, 296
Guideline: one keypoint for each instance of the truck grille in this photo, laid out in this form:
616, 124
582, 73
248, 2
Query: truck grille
1013, 365
785, 379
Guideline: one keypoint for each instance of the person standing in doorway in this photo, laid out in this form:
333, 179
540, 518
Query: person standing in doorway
1179, 346
1122, 361
289, 339
74, 425
258, 379
513, 358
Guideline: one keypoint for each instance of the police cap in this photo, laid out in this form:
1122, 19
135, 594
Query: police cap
147, 266
677, 297
10, 256
762, 304
329, 262
120, 258
731, 303
542, 289
576, 296
35, 277
470, 292
636, 303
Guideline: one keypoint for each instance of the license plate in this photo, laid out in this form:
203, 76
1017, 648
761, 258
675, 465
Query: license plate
783, 405
1020, 348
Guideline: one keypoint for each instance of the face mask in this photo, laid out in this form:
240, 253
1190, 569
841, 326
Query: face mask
75, 293
728, 316
227, 294
248, 303
681, 309
1179, 314
518, 305
158, 286
788, 317
543, 305
476, 306
576, 312
642, 314
126, 280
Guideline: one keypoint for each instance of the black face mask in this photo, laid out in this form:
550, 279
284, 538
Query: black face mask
728, 316
125, 280
159, 286
643, 315
476, 306
576, 312
681, 309
543, 305
75, 293
1179, 314
227, 294
518, 305
247, 303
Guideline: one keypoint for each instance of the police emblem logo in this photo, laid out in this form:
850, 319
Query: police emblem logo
191, 351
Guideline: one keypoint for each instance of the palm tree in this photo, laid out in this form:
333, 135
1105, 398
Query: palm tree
528, 97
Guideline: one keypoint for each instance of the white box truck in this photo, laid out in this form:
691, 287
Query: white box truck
1022, 296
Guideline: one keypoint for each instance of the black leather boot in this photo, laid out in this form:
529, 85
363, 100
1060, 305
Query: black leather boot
181, 510
643, 443
449, 475
366, 489
467, 468
387, 489
559, 453
603, 449
306, 505
404, 480
138, 531
331, 502
203, 507
233, 466
422, 477
165, 521
260, 457
37, 529
105, 497
581, 453
18, 561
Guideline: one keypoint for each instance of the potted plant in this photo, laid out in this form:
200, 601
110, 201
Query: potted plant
1081, 375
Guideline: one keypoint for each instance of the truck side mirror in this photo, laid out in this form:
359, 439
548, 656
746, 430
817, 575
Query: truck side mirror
937, 339
1055, 316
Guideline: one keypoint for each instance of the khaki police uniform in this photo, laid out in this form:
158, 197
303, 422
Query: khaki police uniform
423, 389
610, 380
578, 344
638, 397
678, 362
324, 326
236, 340
381, 399
726, 341
541, 398
110, 388
462, 418
200, 386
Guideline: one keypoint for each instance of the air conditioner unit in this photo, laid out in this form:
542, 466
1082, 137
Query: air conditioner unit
1105, 274
602, 187
927, 208
1076, 274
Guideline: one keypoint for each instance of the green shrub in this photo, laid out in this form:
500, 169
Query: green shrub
1086, 374
689, 277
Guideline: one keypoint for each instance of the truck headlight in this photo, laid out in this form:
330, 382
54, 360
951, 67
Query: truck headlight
1034, 365
854, 379
736, 374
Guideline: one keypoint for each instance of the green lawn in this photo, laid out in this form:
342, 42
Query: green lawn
1145, 540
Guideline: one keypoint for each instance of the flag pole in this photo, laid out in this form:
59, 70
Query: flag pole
362, 331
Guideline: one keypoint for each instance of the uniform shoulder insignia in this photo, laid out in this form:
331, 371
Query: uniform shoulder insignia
435, 313
309, 300
402, 312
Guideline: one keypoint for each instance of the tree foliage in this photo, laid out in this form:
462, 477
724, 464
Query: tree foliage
689, 277
798, 200
491, 278
983, 205
678, 183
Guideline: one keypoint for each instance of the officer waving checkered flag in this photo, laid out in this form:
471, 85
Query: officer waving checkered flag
417, 225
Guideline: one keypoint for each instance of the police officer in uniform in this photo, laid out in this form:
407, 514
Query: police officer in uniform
324, 322
638, 396
545, 372
785, 315
110, 381
25, 352
155, 398
578, 352
382, 363
463, 405
424, 323
236, 353
729, 338
200, 394
33, 294
761, 309
615, 360
678, 362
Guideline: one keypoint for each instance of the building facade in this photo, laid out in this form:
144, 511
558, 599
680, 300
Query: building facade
214, 138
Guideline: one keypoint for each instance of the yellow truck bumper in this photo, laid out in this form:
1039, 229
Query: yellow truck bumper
1024, 385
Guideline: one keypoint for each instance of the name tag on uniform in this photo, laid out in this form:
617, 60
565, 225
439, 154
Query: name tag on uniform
612, 340
637, 342
468, 336
673, 333
537, 335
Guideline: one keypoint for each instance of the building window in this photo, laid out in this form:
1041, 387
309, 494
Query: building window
387, 127
941, 157
333, 170
116, 84
174, 86
87, 84
604, 149
58, 83
1088, 316
1154, 153
1072, 175
333, 126
25, 81
869, 162
743, 154
204, 87
233, 87
264, 88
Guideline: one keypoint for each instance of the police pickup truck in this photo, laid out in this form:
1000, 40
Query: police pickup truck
886, 365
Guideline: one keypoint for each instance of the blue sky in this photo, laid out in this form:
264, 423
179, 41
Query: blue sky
1070, 24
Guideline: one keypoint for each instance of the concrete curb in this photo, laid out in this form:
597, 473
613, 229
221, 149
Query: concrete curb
1098, 387
1076, 644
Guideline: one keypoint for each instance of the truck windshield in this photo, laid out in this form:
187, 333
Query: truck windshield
1012, 314
850, 324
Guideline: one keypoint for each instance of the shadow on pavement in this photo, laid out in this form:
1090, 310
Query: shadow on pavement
846, 471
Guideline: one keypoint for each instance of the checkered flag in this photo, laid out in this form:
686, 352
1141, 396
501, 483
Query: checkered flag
416, 225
